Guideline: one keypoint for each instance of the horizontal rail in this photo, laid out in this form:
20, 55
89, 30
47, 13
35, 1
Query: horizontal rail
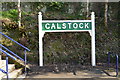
8, 54
11, 52
15, 41
3, 71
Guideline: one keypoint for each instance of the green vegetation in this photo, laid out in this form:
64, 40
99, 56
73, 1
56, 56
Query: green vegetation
61, 47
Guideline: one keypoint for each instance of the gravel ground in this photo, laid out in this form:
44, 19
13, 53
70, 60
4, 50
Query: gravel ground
67, 71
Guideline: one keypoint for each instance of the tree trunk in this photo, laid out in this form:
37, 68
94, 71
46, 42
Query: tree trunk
87, 8
106, 12
19, 14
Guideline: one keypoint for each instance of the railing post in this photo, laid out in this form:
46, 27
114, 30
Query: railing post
117, 61
116, 65
25, 62
7, 67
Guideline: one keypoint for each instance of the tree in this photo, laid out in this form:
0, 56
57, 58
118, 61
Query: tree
106, 13
87, 8
19, 14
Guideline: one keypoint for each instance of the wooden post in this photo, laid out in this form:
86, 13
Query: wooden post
41, 34
93, 40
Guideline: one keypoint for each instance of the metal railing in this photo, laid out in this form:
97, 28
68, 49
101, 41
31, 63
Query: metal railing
117, 62
15, 41
11, 52
9, 55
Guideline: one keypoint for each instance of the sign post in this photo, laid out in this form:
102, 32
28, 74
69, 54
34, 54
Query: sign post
93, 61
67, 26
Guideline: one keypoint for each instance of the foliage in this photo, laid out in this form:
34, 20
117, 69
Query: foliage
12, 14
61, 47
54, 6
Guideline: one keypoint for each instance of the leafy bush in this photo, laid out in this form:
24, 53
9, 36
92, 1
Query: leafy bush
12, 14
